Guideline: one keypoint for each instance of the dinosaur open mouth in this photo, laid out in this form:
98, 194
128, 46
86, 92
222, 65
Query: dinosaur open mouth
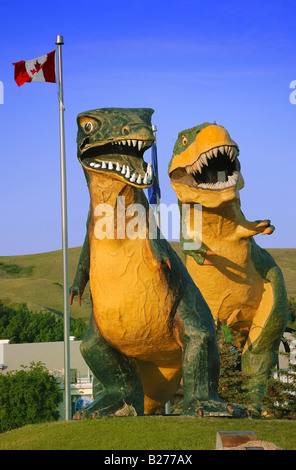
216, 169
121, 158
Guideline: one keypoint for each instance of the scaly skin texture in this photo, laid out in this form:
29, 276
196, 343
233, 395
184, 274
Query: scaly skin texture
240, 281
149, 322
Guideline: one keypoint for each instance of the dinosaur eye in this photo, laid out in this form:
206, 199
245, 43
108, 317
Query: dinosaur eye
184, 140
88, 127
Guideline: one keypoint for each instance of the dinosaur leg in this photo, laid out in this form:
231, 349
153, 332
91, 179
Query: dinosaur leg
201, 364
160, 381
122, 392
261, 349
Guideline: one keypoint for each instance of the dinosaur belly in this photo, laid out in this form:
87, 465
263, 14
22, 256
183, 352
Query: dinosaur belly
132, 304
232, 287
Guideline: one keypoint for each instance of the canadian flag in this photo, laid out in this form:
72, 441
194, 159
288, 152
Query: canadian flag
42, 69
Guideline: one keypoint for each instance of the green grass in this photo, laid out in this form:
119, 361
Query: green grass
38, 279
143, 433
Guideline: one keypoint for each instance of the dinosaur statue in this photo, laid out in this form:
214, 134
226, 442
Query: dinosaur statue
149, 322
240, 281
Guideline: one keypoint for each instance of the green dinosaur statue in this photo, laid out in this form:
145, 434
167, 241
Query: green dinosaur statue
240, 281
149, 322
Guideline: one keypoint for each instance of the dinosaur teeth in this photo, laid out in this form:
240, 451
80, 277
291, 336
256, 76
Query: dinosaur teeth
203, 159
209, 154
133, 143
231, 150
126, 171
149, 170
231, 181
234, 153
215, 152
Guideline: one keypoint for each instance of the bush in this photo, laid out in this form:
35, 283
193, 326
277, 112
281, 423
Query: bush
20, 325
281, 400
28, 396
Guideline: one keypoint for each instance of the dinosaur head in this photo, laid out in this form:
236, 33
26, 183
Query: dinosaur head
113, 140
204, 167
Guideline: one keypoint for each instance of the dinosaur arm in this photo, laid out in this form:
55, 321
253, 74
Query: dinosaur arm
189, 248
248, 229
82, 273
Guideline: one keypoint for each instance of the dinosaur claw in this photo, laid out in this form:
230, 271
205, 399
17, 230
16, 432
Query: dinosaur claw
210, 253
267, 231
165, 261
200, 412
230, 409
264, 223
72, 297
207, 263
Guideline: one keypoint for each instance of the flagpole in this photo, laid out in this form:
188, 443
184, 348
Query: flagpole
167, 407
154, 129
60, 42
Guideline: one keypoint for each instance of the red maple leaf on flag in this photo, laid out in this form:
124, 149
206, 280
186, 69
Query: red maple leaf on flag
37, 67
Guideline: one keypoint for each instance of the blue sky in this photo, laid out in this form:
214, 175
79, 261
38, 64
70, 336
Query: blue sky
191, 61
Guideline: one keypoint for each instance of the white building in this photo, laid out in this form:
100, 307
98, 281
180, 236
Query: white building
13, 356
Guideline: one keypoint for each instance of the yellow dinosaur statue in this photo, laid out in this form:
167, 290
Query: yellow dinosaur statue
149, 323
240, 281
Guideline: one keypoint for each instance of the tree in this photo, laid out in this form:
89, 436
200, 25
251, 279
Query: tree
281, 400
232, 385
28, 396
20, 325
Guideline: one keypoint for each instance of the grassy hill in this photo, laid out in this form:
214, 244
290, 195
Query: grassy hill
38, 279
143, 433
